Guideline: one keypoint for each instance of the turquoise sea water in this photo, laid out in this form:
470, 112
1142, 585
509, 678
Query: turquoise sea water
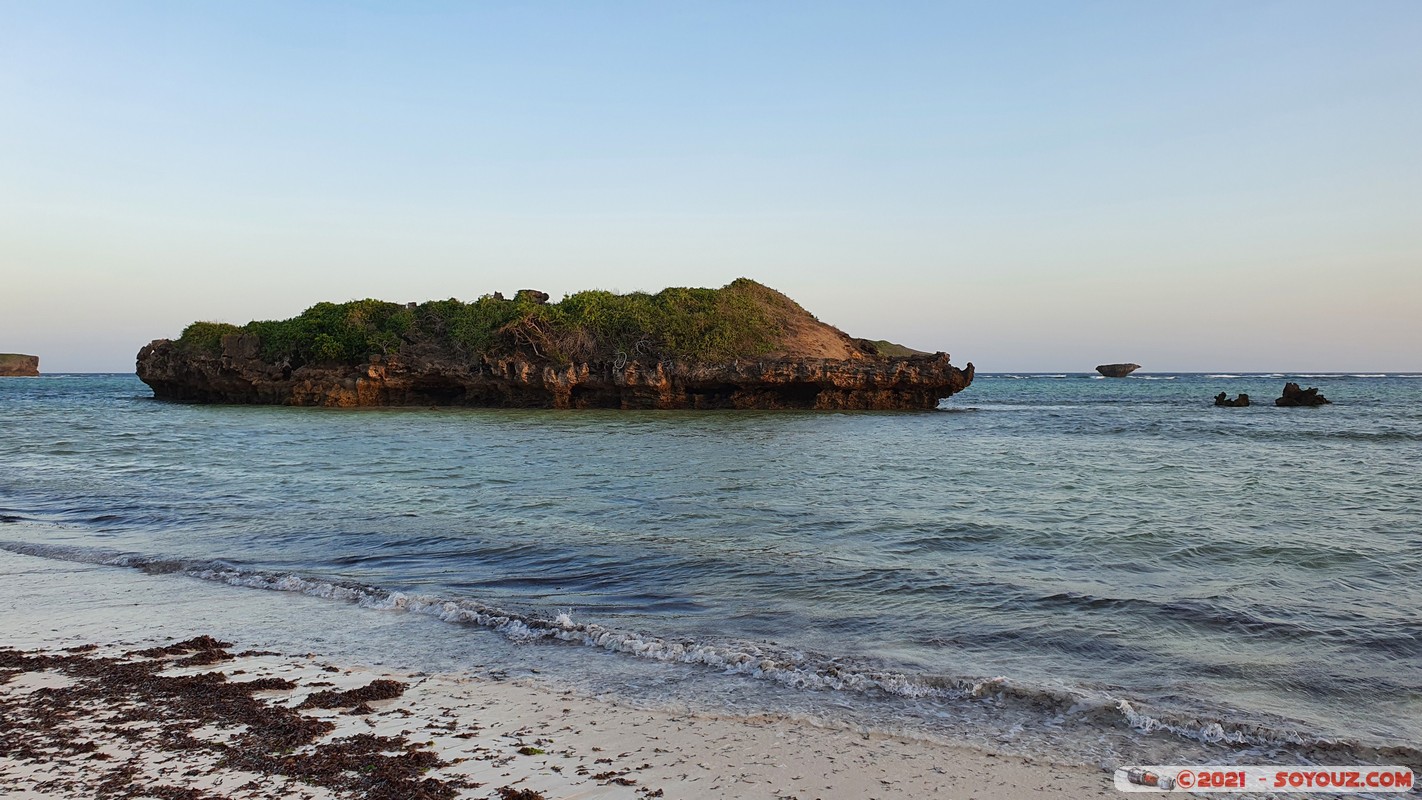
1110, 567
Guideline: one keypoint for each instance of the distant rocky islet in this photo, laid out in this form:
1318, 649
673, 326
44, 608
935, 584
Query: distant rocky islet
18, 365
1292, 397
1117, 370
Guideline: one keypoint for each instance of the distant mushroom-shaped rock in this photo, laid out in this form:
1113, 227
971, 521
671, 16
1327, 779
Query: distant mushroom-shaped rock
1117, 370
1294, 396
1222, 399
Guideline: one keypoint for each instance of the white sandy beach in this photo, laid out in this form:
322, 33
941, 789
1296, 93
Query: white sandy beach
476, 723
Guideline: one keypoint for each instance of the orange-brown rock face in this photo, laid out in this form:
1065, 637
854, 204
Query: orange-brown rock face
432, 377
18, 365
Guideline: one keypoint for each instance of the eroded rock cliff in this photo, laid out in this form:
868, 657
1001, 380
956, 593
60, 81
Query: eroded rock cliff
18, 365
425, 378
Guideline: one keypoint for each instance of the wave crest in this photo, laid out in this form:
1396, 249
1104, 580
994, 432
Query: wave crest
758, 660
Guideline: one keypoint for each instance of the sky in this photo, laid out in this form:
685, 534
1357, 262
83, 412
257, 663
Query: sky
1191, 186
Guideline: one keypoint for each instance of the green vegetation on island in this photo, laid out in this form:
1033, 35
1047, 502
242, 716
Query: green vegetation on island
884, 347
743, 319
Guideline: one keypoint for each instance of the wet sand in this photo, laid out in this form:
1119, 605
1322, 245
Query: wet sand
110, 695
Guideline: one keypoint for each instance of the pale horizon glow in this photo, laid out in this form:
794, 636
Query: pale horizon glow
1033, 187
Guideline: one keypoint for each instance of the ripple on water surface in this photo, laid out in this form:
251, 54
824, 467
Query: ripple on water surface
1097, 542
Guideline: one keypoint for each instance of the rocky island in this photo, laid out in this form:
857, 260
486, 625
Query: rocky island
741, 346
18, 365
1117, 370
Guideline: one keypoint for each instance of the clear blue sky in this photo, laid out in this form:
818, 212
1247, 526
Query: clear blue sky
1027, 185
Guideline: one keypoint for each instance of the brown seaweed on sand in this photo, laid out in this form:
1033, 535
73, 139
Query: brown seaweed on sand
83, 707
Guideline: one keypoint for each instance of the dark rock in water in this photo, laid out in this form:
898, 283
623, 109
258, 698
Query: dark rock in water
1117, 370
1222, 399
17, 365
1294, 396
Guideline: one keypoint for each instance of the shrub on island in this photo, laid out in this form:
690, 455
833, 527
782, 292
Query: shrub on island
743, 318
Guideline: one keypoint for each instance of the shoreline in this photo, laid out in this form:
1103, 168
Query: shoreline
683, 753
468, 737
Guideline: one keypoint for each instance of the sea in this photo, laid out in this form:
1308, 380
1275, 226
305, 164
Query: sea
1093, 570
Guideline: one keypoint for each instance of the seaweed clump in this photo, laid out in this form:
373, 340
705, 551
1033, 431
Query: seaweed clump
127, 705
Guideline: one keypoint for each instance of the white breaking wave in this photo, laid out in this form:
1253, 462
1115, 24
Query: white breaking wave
758, 660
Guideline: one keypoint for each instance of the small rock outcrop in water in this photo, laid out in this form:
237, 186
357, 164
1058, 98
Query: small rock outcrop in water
742, 346
18, 365
1222, 399
1294, 396
1117, 370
